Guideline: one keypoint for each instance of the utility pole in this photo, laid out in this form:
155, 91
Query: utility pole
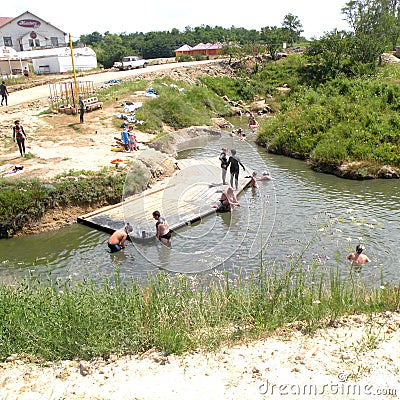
74, 72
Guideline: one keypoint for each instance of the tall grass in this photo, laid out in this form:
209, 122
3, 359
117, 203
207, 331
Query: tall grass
63, 319
344, 120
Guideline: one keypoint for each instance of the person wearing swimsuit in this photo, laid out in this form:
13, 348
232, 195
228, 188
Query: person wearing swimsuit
234, 163
227, 201
116, 242
224, 164
163, 234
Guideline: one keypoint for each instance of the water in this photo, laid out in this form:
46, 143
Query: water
300, 211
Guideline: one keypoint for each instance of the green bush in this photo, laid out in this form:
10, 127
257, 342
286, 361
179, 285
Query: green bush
25, 200
344, 119
180, 105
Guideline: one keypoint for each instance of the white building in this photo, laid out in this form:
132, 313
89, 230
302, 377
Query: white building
28, 38
59, 60
29, 32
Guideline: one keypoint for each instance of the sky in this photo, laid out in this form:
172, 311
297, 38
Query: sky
83, 17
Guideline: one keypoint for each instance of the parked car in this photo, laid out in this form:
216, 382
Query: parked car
132, 62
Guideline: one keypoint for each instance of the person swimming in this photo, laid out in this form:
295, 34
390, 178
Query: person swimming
357, 257
265, 176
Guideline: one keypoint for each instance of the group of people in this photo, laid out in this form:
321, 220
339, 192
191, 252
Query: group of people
227, 202
239, 132
129, 139
232, 162
117, 240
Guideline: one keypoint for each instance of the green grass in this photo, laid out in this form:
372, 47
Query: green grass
190, 106
343, 120
26, 200
61, 319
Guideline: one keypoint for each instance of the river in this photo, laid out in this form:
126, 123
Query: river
300, 214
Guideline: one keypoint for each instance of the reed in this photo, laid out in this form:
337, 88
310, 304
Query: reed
61, 319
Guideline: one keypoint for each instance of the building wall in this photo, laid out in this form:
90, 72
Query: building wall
46, 65
29, 32
56, 64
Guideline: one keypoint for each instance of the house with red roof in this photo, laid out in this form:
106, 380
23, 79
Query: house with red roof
205, 49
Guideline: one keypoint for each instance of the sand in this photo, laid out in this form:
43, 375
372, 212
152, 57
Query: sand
358, 358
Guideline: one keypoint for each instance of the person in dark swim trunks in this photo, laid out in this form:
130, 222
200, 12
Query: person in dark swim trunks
116, 242
234, 163
163, 234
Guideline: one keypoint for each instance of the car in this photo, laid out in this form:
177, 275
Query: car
132, 62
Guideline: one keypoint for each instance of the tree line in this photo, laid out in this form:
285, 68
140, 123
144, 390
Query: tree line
374, 28
111, 47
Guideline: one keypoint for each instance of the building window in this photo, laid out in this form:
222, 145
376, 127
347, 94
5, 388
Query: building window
34, 43
7, 41
54, 41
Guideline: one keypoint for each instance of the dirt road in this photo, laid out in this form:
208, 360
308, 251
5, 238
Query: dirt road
43, 91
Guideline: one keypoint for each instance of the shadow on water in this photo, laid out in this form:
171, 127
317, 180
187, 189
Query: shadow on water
299, 211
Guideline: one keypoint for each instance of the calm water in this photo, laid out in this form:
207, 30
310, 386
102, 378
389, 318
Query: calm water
300, 211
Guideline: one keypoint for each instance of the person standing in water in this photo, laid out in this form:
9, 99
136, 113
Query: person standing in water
234, 163
163, 234
116, 242
357, 257
224, 164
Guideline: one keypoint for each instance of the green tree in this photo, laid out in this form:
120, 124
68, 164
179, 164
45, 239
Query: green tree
341, 53
379, 19
273, 38
110, 49
294, 27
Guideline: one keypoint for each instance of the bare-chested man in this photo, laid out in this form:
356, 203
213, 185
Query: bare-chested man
116, 242
357, 257
163, 234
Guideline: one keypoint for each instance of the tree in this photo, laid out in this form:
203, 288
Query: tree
379, 19
273, 38
342, 53
294, 27
110, 49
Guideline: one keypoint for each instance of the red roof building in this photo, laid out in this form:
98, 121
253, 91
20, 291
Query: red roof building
208, 49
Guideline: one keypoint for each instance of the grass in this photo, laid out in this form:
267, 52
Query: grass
59, 319
25, 200
342, 121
